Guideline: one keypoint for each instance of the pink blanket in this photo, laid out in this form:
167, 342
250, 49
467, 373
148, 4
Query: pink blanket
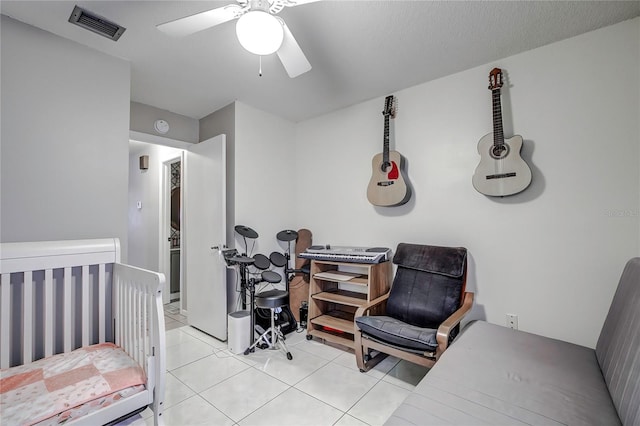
59, 384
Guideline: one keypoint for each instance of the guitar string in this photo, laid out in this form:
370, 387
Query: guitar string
501, 141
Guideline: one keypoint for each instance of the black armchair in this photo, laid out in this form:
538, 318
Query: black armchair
421, 314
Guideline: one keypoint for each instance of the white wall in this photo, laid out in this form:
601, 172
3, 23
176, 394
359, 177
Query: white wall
219, 122
264, 165
182, 128
65, 120
552, 254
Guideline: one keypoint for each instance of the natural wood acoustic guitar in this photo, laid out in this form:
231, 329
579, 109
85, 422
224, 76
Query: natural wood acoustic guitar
501, 171
387, 186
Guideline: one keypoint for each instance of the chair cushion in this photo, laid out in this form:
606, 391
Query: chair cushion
449, 261
398, 333
428, 284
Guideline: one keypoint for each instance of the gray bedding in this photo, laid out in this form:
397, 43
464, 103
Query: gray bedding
495, 375
530, 380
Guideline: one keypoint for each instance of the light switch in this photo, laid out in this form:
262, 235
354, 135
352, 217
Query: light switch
139, 205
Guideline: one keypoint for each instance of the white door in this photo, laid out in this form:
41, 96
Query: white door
205, 232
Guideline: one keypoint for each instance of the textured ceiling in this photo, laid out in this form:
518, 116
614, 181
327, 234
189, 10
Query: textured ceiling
359, 50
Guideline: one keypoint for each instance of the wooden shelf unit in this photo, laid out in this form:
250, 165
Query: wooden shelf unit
331, 307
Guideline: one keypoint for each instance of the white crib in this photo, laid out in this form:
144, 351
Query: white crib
57, 296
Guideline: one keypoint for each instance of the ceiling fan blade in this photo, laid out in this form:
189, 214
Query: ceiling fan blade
201, 21
291, 55
278, 5
291, 3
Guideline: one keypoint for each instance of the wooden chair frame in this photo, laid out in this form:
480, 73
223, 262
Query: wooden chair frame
363, 345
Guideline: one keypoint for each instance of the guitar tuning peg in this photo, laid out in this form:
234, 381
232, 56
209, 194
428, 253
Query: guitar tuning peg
395, 108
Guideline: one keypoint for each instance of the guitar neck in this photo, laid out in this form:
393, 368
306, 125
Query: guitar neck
385, 144
498, 133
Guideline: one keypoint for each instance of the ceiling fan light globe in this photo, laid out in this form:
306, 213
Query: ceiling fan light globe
259, 32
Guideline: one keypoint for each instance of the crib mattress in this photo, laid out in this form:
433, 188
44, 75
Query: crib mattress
63, 387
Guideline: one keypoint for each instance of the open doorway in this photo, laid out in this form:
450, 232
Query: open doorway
201, 225
153, 243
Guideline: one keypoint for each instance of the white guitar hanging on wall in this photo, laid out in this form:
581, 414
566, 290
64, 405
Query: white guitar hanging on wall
501, 171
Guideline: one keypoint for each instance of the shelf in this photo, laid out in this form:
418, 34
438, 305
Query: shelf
333, 338
361, 280
337, 320
343, 297
333, 262
332, 303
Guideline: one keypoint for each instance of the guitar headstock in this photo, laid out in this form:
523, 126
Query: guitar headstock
495, 79
389, 106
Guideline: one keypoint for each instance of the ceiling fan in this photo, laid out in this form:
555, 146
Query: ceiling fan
259, 30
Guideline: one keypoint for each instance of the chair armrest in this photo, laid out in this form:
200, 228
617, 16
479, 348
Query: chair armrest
362, 310
444, 330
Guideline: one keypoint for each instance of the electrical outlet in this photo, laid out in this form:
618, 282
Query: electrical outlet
512, 321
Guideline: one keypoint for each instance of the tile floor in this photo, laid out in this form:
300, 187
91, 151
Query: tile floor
208, 385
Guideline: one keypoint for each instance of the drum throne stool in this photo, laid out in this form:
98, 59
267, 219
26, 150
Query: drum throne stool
272, 337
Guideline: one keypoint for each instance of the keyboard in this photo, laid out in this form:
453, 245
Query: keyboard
347, 254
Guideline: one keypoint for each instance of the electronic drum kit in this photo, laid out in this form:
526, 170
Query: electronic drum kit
263, 264
260, 261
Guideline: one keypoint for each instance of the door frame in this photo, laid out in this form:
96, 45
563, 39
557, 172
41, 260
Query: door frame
164, 259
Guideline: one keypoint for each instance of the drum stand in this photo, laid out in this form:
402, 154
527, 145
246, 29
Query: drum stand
289, 272
252, 311
244, 262
288, 236
270, 298
244, 272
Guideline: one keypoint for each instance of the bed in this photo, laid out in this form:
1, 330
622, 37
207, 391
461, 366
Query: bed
82, 338
492, 375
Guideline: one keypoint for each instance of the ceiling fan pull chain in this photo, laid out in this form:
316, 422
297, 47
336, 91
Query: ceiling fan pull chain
260, 69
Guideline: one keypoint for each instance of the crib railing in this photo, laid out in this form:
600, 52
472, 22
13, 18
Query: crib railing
57, 296
137, 304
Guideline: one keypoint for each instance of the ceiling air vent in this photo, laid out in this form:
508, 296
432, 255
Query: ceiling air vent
95, 23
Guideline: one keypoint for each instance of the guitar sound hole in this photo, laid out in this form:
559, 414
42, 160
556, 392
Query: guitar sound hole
499, 151
385, 167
